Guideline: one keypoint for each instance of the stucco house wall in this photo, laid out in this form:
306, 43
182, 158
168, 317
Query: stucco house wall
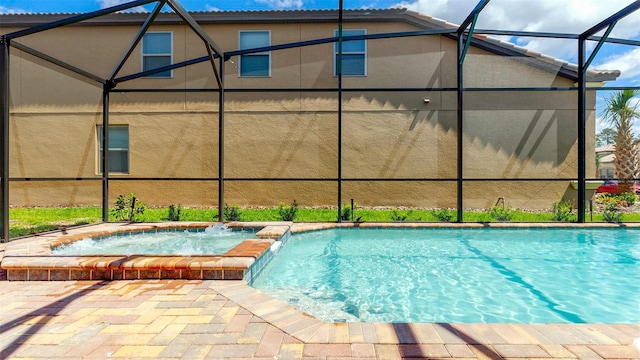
387, 136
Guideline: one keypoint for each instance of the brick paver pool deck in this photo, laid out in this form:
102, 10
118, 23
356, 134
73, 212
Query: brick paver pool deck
213, 319
227, 319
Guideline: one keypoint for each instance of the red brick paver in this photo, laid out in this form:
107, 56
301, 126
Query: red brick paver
208, 319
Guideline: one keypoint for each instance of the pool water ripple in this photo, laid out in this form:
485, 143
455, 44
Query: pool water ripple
209, 240
461, 275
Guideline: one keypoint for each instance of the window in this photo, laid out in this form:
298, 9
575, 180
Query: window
157, 49
257, 64
354, 54
606, 174
118, 149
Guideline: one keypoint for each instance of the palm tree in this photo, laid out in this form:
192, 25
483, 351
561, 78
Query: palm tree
620, 114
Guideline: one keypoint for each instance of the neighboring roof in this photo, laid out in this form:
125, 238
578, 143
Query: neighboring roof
607, 159
484, 42
606, 148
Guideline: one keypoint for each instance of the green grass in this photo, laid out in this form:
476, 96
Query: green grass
186, 214
25, 221
39, 216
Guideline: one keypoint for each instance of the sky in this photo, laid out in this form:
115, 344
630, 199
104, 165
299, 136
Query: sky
561, 16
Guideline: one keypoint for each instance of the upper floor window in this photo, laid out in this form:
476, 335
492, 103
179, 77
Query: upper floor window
354, 54
256, 64
157, 50
118, 150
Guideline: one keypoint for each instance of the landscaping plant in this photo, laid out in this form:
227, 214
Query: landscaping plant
442, 215
399, 215
628, 197
500, 213
174, 212
345, 213
288, 213
562, 211
128, 209
611, 210
25, 221
231, 213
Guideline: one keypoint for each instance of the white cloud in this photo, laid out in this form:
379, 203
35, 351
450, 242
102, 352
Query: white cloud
211, 8
626, 62
109, 3
283, 4
371, 4
6, 10
566, 16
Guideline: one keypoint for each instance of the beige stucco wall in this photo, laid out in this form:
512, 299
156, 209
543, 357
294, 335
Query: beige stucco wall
292, 135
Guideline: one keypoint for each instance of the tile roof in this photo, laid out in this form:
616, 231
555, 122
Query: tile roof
485, 42
606, 148
592, 74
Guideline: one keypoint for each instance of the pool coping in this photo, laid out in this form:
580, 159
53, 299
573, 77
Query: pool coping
31, 258
487, 340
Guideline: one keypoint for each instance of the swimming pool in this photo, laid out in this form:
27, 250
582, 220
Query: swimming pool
523, 275
216, 239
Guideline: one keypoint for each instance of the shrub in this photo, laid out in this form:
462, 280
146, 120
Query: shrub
128, 209
231, 213
625, 199
500, 213
345, 212
173, 212
612, 217
288, 213
611, 208
442, 215
628, 198
399, 216
562, 211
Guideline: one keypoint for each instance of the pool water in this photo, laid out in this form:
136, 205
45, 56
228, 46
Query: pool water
535, 275
216, 239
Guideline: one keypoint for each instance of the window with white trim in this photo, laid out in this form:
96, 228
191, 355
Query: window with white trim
606, 174
157, 51
118, 151
256, 64
354, 54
